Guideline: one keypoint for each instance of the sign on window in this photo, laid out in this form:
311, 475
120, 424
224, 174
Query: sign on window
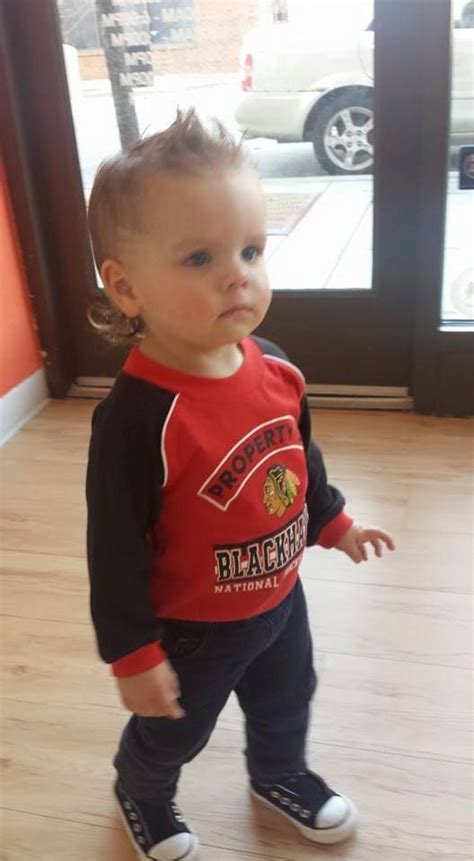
125, 28
172, 21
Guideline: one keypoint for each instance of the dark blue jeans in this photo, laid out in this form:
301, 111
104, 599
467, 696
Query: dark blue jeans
266, 660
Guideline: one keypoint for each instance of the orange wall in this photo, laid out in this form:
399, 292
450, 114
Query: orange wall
19, 348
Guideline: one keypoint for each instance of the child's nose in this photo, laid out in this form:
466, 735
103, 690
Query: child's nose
236, 275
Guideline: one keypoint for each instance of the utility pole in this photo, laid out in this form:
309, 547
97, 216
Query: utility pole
280, 10
124, 27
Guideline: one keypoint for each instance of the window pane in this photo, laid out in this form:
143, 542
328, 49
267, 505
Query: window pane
458, 281
295, 76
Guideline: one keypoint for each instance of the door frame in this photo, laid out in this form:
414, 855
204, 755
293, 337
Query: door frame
375, 327
411, 153
42, 166
443, 355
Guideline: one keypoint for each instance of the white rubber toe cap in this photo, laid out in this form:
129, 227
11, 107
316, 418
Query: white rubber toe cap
333, 813
180, 846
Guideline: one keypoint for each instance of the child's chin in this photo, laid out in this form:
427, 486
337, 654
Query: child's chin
241, 328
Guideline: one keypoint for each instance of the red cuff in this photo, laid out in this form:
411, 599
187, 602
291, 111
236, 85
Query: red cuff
334, 530
140, 661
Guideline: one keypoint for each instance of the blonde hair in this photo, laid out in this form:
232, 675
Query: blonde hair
116, 199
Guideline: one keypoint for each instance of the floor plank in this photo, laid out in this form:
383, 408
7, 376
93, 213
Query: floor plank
391, 724
378, 704
424, 559
66, 776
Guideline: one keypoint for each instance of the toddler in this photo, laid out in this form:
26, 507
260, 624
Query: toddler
204, 488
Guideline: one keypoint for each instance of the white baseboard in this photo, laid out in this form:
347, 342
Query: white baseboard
21, 403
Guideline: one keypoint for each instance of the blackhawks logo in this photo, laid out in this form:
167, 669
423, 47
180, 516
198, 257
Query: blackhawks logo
280, 489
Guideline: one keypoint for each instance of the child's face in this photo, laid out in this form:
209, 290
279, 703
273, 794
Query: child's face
197, 275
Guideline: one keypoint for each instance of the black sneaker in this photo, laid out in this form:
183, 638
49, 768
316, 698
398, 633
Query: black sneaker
159, 833
305, 799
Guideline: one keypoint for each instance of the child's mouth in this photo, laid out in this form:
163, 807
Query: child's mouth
236, 310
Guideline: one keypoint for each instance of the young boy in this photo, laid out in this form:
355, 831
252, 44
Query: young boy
203, 489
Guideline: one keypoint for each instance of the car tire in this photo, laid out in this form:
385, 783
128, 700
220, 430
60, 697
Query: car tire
342, 133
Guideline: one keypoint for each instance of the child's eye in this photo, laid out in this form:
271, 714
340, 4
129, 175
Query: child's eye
251, 252
199, 258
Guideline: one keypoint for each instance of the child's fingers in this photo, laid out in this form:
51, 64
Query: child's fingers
387, 539
176, 688
371, 534
360, 552
377, 538
377, 545
175, 711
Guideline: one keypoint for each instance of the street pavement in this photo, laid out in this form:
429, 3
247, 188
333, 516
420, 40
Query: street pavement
97, 135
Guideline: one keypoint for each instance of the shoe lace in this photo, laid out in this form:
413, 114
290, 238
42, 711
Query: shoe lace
177, 812
303, 781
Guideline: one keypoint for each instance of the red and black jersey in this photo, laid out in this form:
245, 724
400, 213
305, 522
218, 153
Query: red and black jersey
202, 495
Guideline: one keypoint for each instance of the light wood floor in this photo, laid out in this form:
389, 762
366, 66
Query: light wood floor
391, 721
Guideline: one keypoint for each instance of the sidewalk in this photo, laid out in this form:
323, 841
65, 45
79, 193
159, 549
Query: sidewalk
165, 84
331, 246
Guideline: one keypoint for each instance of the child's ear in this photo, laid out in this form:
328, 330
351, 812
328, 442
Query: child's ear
118, 288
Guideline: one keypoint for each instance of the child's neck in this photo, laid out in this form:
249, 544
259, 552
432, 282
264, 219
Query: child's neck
221, 362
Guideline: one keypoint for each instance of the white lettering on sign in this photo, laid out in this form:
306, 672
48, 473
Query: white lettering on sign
121, 40
138, 58
131, 20
128, 28
181, 34
136, 79
174, 16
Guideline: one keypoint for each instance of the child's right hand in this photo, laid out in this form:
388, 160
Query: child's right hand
153, 693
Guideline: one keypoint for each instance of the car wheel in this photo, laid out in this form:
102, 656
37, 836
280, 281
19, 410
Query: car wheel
343, 133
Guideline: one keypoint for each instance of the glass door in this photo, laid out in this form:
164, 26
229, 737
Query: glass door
327, 95
302, 88
457, 295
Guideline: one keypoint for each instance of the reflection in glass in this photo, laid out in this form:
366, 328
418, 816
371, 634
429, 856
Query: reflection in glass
458, 279
295, 77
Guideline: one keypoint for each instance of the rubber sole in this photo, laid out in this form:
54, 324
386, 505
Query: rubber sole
192, 855
318, 835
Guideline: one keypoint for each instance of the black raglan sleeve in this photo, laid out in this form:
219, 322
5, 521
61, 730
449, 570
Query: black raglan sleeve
327, 522
123, 501
325, 502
